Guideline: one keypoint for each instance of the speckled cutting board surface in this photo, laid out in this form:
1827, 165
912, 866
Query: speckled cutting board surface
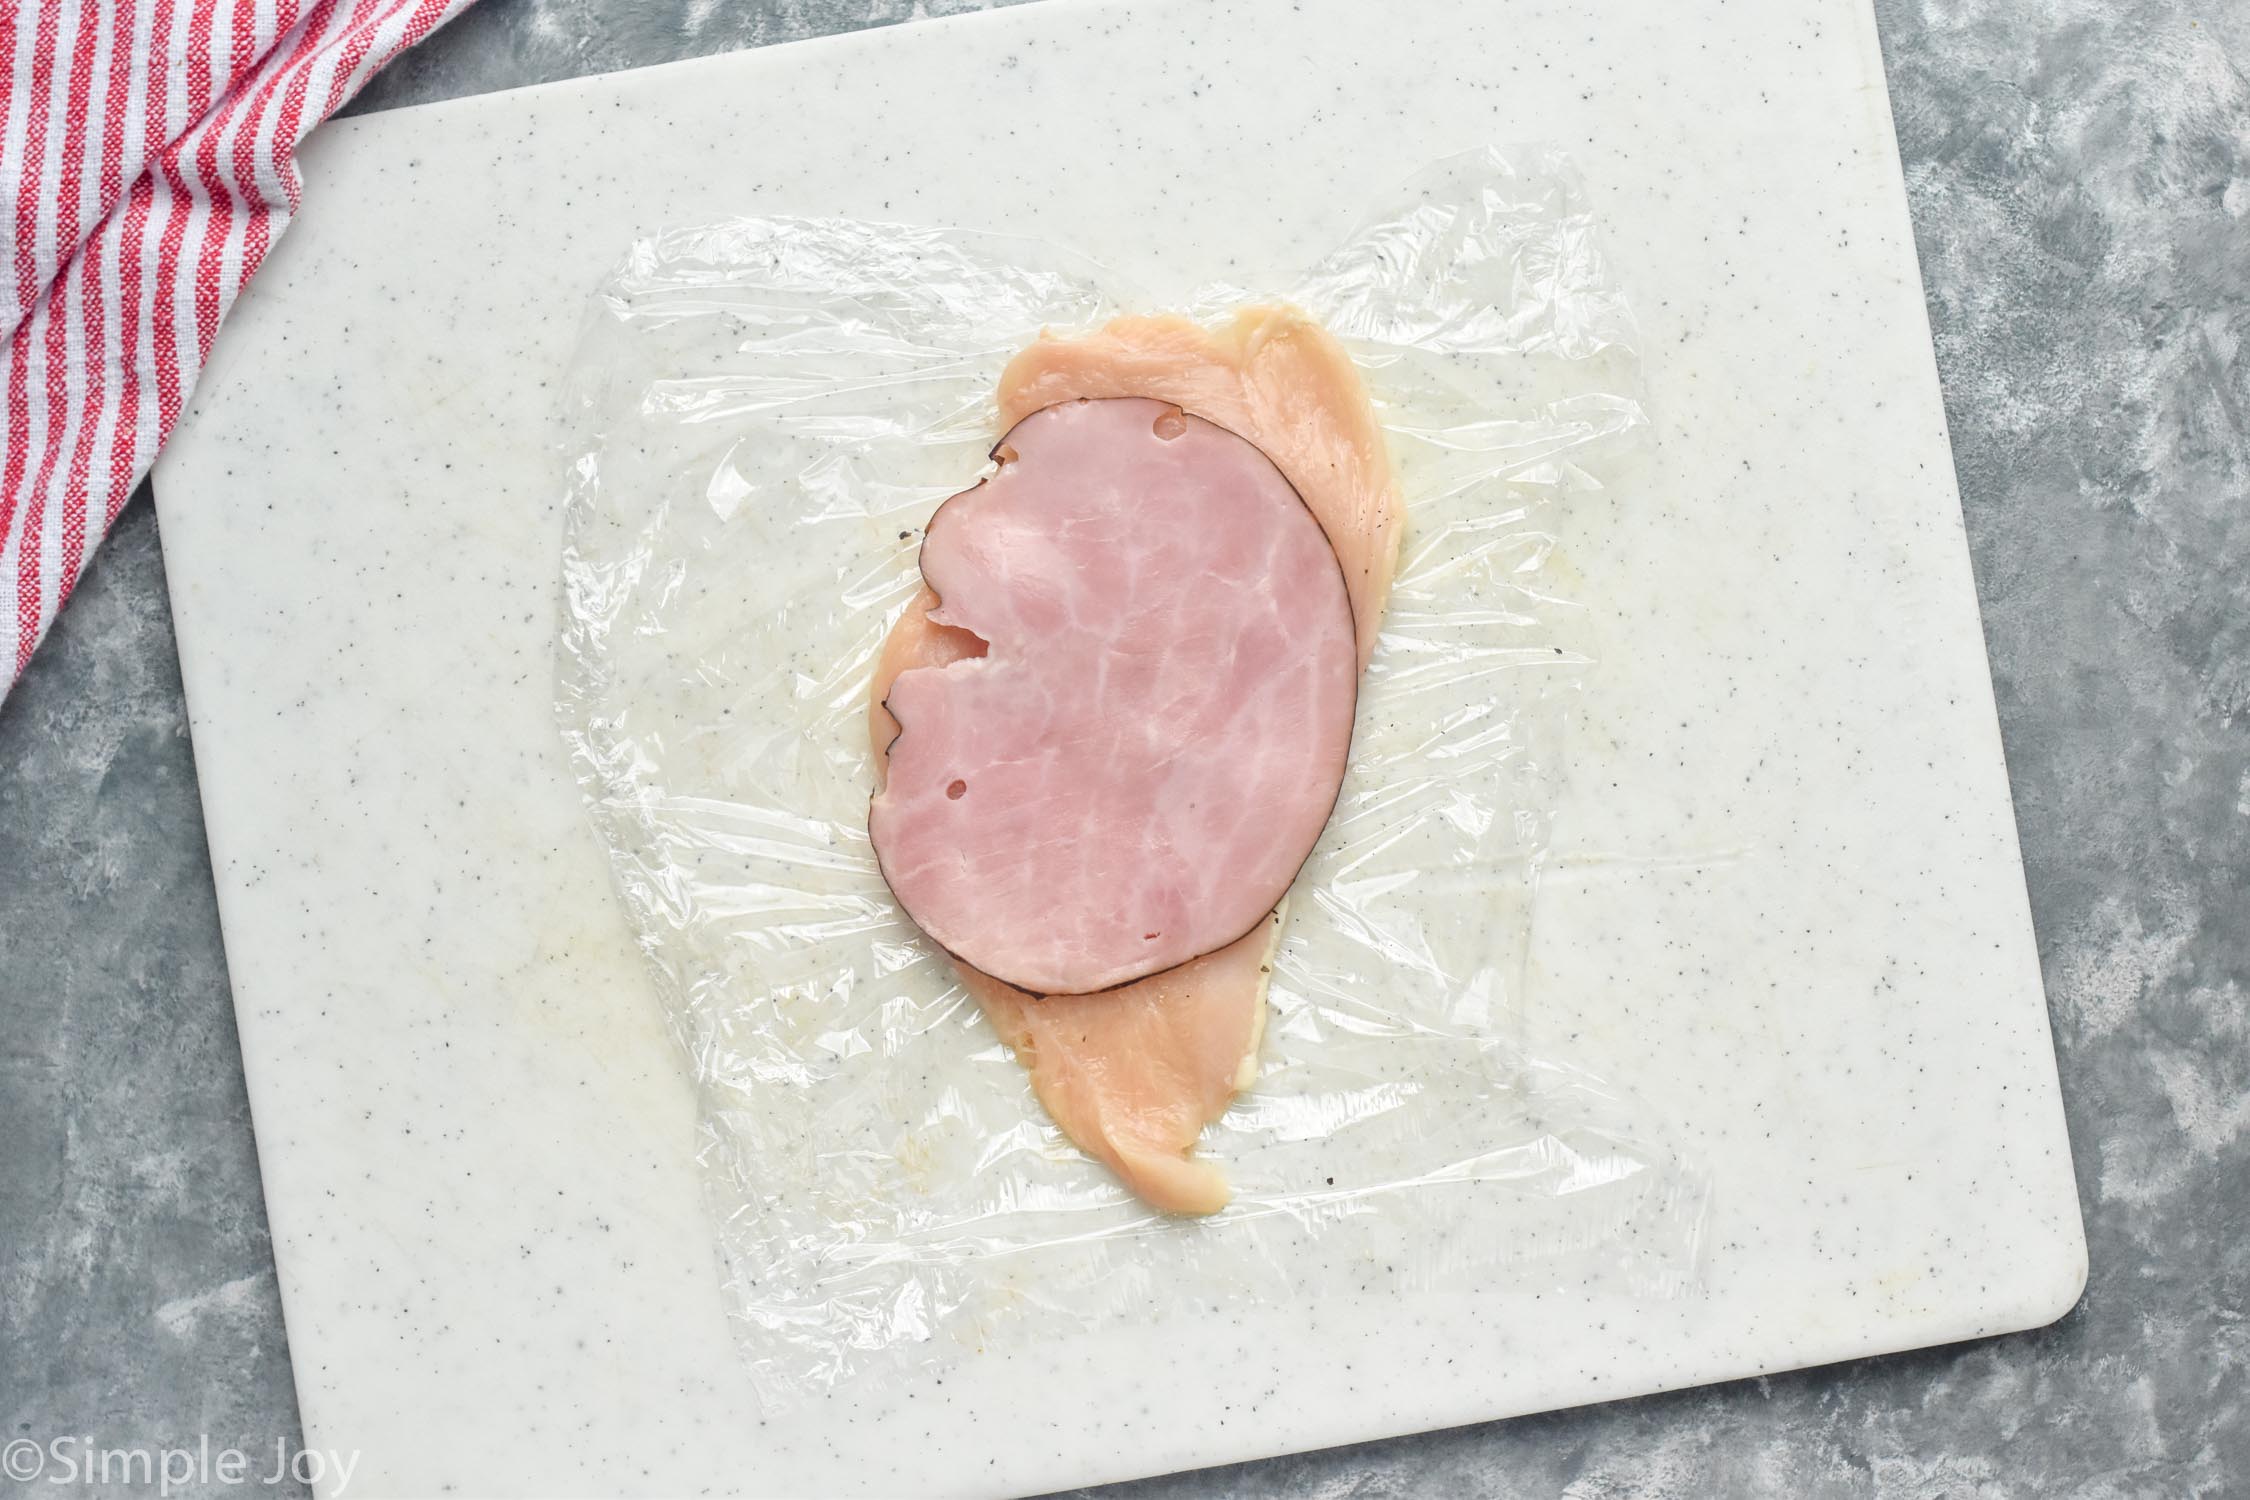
474, 1134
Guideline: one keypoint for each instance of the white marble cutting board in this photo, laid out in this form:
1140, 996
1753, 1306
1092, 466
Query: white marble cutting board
492, 1254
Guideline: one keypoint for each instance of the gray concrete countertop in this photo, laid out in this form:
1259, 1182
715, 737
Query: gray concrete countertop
2080, 181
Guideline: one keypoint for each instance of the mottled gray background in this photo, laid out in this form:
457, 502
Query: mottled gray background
2080, 176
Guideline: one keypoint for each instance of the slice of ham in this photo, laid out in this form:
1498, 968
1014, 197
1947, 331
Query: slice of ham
1139, 764
1132, 1075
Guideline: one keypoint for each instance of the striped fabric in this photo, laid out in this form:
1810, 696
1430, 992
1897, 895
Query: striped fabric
147, 163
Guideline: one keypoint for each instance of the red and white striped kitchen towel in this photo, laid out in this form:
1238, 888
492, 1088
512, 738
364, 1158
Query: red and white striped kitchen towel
147, 164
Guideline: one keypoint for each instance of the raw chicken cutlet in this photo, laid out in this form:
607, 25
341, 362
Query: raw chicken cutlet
1133, 1074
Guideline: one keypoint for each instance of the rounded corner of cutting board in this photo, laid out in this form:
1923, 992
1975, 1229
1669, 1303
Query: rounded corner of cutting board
2038, 1278
2054, 1289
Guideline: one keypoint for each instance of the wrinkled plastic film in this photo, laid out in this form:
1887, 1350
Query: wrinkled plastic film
764, 413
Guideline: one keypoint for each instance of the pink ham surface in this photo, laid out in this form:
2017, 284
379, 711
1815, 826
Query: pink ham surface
1135, 769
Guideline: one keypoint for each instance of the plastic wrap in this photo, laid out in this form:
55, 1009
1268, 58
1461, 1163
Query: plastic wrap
764, 412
